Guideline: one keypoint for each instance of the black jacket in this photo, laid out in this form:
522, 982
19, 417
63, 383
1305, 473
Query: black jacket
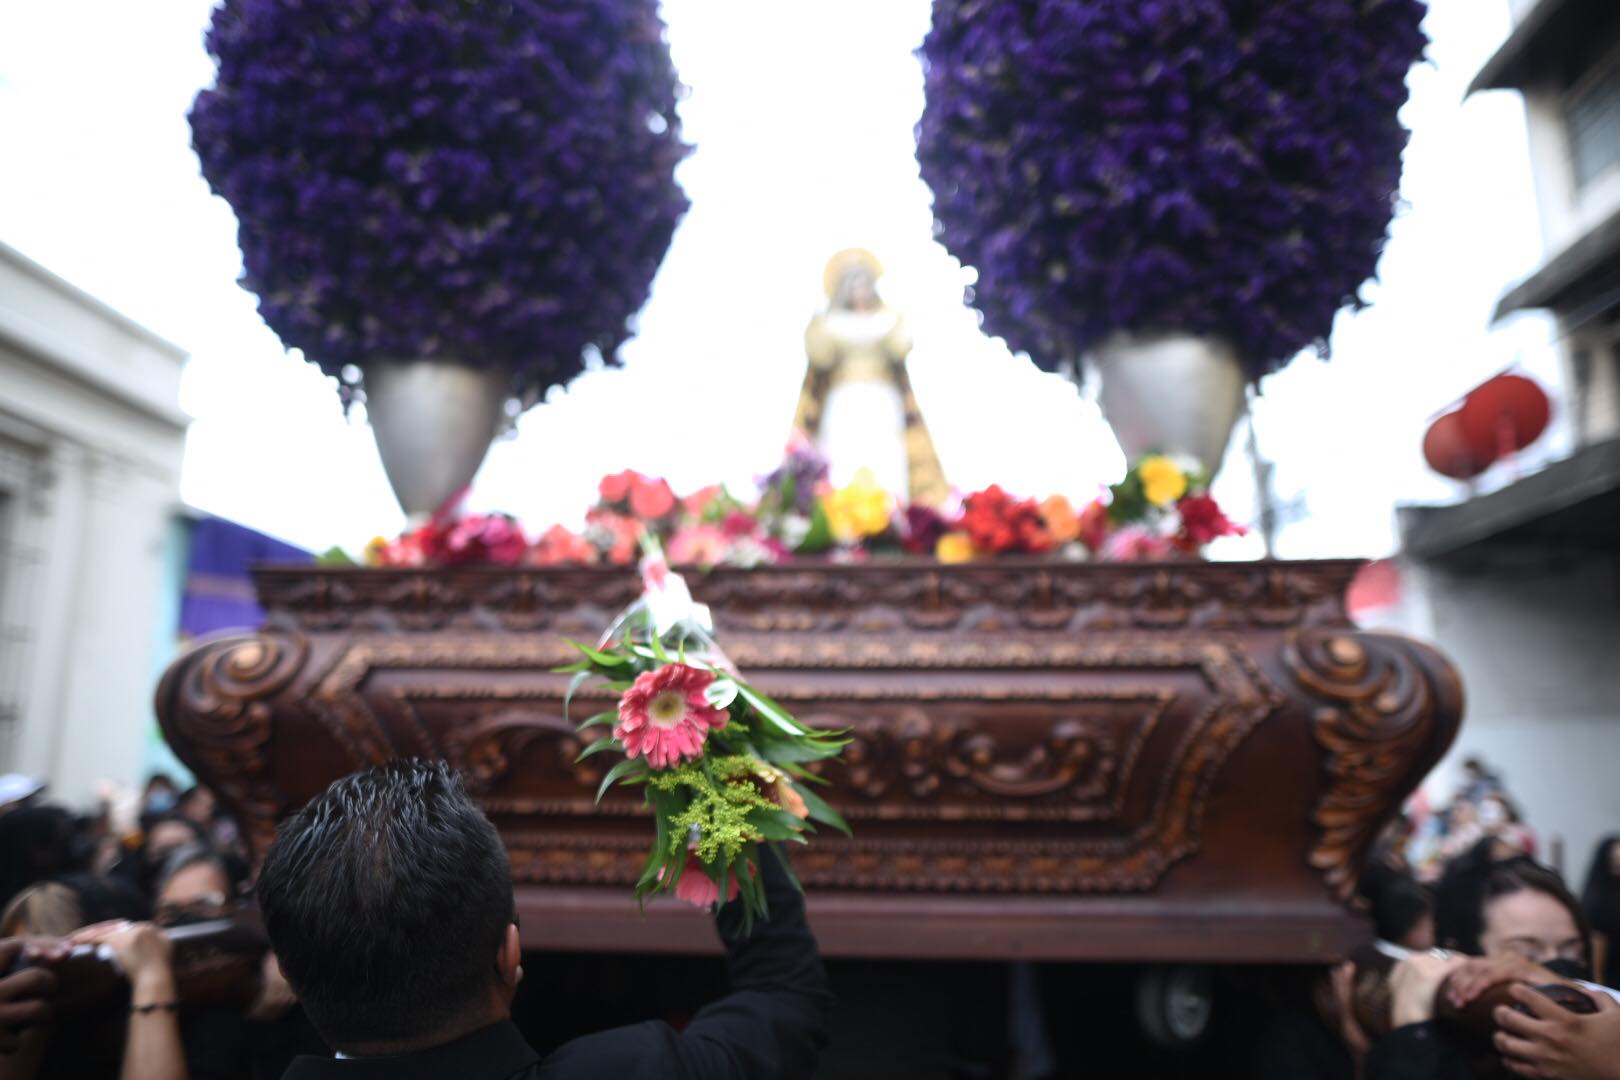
772, 1024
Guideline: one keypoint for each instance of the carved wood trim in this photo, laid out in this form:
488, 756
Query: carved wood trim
1381, 728
881, 597
214, 709
899, 766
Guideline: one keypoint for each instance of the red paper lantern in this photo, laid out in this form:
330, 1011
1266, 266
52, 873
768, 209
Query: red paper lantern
1449, 451
1505, 414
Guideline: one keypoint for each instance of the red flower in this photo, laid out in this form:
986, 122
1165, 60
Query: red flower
665, 716
651, 499
1202, 521
1094, 524
616, 487
997, 522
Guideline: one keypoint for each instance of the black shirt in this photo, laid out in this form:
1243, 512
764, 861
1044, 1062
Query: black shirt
773, 1023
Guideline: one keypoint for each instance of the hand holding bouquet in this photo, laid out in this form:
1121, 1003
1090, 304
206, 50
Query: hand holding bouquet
721, 766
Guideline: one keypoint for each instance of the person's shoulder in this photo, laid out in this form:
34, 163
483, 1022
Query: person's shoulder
638, 1050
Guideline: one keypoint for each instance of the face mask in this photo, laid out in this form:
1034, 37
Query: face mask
161, 802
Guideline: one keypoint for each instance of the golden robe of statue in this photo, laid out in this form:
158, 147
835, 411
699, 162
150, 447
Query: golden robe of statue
856, 404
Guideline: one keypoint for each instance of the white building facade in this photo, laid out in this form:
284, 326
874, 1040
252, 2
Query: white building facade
91, 439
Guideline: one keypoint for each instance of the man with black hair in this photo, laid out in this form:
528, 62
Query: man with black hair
388, 902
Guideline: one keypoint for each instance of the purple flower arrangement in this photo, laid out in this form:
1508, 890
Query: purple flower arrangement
486, 182
1216, 167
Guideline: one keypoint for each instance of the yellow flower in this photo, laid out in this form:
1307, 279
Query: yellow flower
1163, 482
955, 547
374, 550
860, 510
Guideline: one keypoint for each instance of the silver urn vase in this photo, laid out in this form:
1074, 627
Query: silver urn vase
433, 421
1169, 393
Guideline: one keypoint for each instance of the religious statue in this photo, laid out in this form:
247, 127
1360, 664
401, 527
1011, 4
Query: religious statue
856, 403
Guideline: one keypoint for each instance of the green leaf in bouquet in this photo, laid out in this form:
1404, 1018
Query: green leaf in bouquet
786, 753
677, 867
659, 855
601, 719
777, 824
805, 774
787, 866
597, 656
769, 709
619, 771
820, 810
721, 693
720, 874
751, 886
573, 687
658, 649
597, 747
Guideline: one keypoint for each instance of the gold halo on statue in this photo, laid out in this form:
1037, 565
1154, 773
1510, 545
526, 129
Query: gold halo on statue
840, 264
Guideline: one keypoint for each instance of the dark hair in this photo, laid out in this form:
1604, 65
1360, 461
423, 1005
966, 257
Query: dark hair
193, 855
386, 900
102, 898
152, 821
36, 844
1601, 896
1471, 883
1396, 899
1601, 879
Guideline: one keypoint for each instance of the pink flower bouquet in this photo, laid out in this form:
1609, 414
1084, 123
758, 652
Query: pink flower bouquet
721, 766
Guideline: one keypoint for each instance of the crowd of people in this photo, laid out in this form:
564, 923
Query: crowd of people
387, 903
94, 904
1490, 964
389, 947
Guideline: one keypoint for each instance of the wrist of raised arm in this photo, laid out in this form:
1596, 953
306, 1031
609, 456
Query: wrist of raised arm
152, 984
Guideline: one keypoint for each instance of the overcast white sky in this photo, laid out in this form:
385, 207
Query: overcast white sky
802, 113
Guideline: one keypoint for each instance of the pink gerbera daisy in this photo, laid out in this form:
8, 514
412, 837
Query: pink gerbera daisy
665, 717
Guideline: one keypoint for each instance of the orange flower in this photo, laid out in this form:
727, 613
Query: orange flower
1061, 520
559, 546
790, 800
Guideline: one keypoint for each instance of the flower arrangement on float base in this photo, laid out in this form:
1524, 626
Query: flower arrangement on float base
1180, 195
721, 766
1162, 509
447, 206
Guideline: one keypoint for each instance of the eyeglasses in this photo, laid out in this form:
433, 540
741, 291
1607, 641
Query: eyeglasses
198, 909
1542, 952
